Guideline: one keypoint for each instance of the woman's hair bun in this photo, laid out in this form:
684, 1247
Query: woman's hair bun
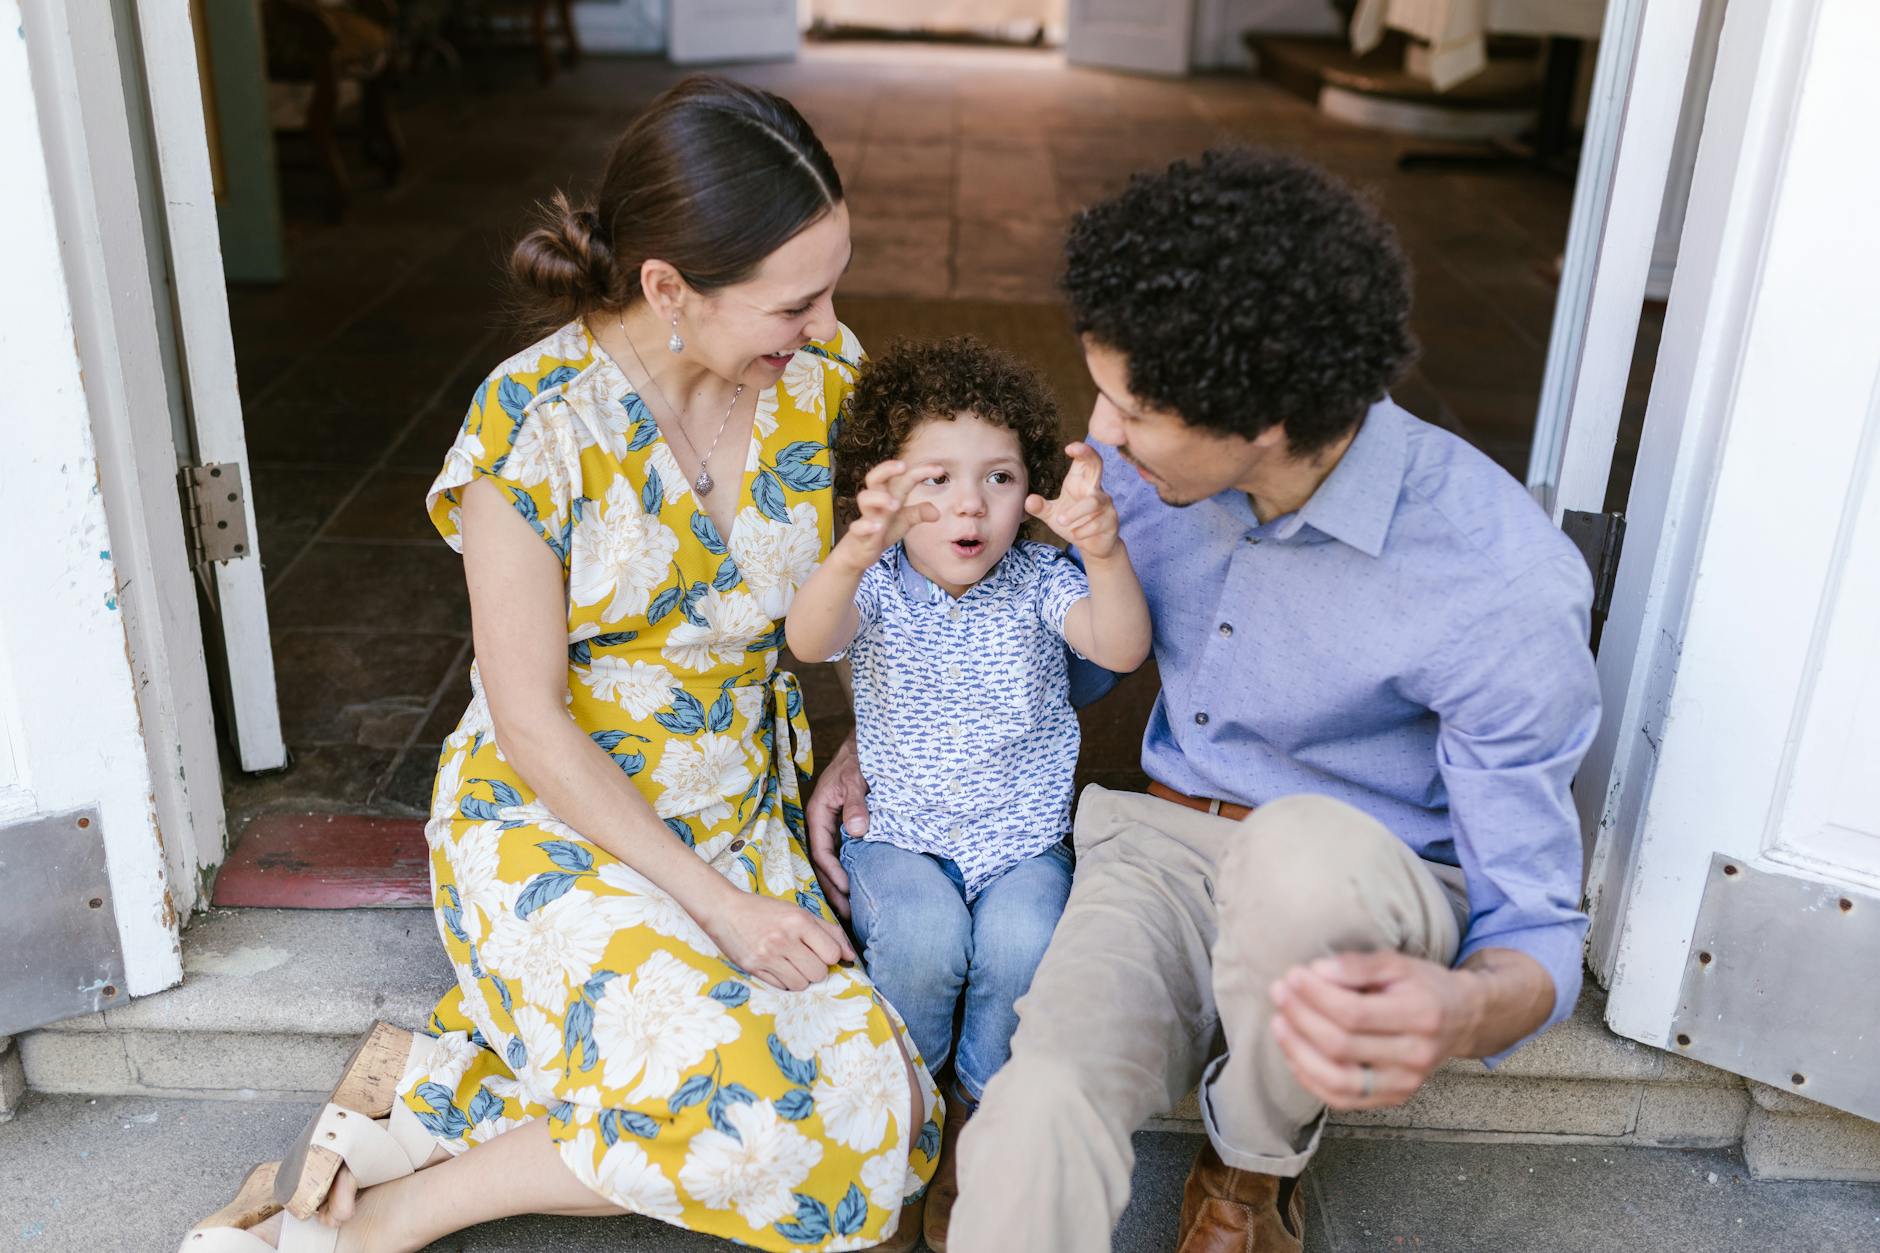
567, 260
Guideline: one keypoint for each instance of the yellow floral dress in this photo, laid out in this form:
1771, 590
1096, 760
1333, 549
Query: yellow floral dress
675, 1084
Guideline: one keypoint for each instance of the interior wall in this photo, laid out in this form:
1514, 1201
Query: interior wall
1221, 24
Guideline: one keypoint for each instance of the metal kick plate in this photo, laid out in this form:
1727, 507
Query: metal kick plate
1779, 985
59, 949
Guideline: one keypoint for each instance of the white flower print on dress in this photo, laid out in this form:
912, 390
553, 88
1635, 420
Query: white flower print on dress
640, 688
624, 1175
766, 423
805, 380
755, 1173
656, 1023
673, 484
716, 853
701, 776
619, 551
543, 1064
475, 723
862, 1088
444, 790
644, 904
544, 446
776, 558
732, 620
887, 1178
556, 945
811, 1020
475, 866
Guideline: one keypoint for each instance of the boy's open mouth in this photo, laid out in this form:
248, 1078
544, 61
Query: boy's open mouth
968, 547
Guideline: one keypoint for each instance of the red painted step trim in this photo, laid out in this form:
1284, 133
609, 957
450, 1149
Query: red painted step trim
327, 861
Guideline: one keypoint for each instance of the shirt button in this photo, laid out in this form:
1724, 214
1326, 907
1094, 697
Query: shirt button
736, 845
953, 786
1227, 628
954, 834
954, 613
1201, 719
953, 672
1253, 539
954, 730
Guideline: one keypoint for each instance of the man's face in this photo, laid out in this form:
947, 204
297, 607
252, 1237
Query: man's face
1183, 463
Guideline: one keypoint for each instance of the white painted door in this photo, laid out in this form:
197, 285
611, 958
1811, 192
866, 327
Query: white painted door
185, 239
1736, 782
706, 31
1148, 36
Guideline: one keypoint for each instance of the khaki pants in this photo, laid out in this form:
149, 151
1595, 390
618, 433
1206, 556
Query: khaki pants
1157, 979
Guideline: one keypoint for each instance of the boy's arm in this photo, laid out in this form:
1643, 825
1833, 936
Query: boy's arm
823, 619
1111, 625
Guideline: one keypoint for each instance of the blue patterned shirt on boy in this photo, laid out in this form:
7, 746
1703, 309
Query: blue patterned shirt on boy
963, 717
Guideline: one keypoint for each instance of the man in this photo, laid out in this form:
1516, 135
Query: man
1358, 856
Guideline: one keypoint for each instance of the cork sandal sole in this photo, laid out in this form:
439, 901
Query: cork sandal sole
368, 1086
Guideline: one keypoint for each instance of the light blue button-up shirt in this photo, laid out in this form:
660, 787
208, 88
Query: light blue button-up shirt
1413, 641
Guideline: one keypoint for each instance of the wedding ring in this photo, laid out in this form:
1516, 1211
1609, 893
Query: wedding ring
1367, 1081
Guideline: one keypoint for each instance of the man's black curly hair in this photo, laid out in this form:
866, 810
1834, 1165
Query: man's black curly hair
1248, 289
918, 381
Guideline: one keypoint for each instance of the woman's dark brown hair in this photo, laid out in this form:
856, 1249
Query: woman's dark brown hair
923, 381
712, 177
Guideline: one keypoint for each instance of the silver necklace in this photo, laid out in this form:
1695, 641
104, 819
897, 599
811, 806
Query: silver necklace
704, 483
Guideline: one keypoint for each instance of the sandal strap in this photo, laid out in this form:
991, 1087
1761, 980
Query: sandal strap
373, 1154
224, 1240
303, 1235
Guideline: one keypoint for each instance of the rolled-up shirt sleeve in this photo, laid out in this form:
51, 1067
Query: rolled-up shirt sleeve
1518, 702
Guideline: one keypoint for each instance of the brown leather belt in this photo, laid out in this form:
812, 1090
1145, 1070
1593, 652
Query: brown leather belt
1226, 809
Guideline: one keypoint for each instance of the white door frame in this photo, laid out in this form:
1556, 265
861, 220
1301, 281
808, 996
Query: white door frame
108, 687
206, 348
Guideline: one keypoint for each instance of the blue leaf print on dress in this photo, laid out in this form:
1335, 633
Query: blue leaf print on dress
683, 829
578, 1034
812, 903
453, 914
707, 532
690, 1093
796, 1105
723, 1099
796, 1069
442, 1119
502, 992
550, 885
645, 430
652, 492
556, 377
768, 493
800, 452
728, 575
852, 1212
632, 1121
730, 993
929, 1142
486, 1105
721, 713
514, 396
580, 652
568, 855
805, 478
689, 605
663, 605
770, 639
812, 1221
686, 717
597, 984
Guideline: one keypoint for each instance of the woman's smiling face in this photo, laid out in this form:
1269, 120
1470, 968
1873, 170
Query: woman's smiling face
749, 331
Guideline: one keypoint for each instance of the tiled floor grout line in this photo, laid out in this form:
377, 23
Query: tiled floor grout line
444, 685
419, 414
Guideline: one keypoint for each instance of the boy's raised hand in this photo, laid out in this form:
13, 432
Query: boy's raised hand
885, 514
1083, 513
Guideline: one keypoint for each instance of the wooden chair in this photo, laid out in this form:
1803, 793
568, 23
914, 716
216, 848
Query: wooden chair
341, 49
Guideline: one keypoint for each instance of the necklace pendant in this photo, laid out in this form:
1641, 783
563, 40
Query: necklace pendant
703, 484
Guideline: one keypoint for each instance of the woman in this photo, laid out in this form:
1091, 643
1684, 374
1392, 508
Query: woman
655, 1010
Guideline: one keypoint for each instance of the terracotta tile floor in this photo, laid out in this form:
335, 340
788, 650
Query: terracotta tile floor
963, 167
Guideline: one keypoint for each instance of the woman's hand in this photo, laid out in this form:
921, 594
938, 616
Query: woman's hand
885, 515
783, 944
839, 803
1082, 514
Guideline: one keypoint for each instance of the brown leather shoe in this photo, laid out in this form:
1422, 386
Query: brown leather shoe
1238, 1211
945, 1188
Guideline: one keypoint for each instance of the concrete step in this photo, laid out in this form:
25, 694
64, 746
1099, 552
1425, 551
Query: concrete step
273, 1001
80, 1175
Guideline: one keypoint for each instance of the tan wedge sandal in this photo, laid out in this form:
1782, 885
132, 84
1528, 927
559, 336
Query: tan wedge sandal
344, 1131
228, 1230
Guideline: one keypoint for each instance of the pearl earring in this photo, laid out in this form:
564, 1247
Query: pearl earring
675, 345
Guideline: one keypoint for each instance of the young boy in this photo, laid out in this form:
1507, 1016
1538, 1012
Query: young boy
955, 630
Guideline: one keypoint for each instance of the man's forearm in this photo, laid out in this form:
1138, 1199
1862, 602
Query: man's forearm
1508, 996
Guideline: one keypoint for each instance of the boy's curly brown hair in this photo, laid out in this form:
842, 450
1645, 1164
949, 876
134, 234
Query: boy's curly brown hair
923, 381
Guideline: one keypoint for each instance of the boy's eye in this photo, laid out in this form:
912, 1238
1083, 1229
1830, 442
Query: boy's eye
938, 480
1000, 476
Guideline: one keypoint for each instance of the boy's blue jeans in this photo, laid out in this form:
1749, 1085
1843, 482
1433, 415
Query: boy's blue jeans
923, 945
